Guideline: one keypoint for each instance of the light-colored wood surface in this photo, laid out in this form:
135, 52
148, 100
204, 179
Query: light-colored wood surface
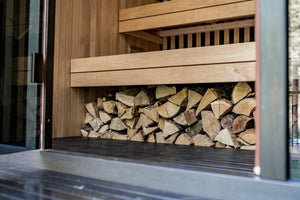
146, 36
169, 7
228, 11
235, 72
206, 28
242, 52
84, 28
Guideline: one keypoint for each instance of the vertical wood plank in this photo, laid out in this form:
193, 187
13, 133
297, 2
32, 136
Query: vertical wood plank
226, 36
207, 38
181, 41
247, 34
236, 35
165, 43
190, 40
198, 39
172, 42
217, 37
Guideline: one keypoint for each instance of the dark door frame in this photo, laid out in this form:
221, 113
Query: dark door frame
272, 82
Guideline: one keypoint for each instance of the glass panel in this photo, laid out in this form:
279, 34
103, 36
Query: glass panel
294, 89
20, 26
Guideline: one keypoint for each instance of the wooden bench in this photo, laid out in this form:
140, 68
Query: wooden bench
192, 56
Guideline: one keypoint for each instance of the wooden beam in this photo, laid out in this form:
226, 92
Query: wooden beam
206, 28
169, 7
146, 36
234, 72
242, 52
209, 14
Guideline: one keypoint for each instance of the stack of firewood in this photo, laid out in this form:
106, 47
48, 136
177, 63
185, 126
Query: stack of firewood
202, 117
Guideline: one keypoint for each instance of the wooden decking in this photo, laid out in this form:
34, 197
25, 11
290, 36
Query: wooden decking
225, 161
20, 182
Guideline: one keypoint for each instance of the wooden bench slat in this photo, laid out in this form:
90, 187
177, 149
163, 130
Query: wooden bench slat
208, 14
217, 73
169, 7
242, 52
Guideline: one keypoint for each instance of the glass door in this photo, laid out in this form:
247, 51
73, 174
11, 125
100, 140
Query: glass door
21, 72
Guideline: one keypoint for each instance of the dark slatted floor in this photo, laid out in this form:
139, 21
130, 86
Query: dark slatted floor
226, 161
20, 182
6, 149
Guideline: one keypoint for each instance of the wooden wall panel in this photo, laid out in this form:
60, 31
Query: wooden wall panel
84, 28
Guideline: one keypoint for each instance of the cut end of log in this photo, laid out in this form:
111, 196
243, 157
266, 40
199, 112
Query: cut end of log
164, 91
209, 96
168, 110
170, 128
240, 91
220, 107
203, 141
179, 98
245, 106
184, 139
193, 99
211, 125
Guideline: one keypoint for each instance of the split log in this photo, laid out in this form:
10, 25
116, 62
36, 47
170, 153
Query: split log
168, 110
179, 98
245, 106
170, 128
251, 148
118, 136
88, 118
171, 139
127, 96
159, 138
96, 124
180, 119
161, 123
195, 129
94, 134
220, 107
220, 145
164, 91
240, 123
110, 107
117, 124
105, 118
131, 122
100, 101
184, 139
247, 137
84, 133
226, 121
142, 99
121, 109
190, 116
138, 137
130, 113
193, 99
91, 108
240, 91
209, 96
103, 129
203, 141
151, 112
107, 135
225, 137
131, 132
210, 124
151, 138
148, 130
143, 121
